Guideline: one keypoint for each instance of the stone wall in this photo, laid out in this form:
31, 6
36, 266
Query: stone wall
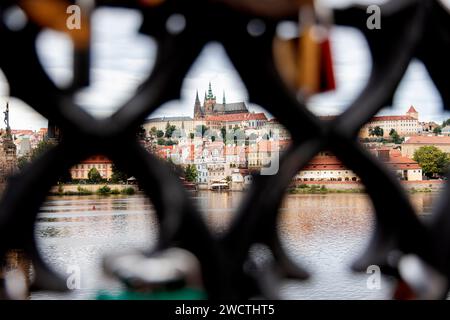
434, 185
92, 187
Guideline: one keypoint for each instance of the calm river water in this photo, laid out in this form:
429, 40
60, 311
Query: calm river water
323, 232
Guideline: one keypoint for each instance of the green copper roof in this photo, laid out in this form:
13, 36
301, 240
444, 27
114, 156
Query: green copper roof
210, 93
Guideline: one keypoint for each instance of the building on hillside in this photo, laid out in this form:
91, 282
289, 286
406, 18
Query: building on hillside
330, 168
413, 143
326, 168
218, 172
236, 155
241, 179
163, 152
428, 127
202, 174
261, 153
242, 121
445, 131
405, 125
102, 164
210, 106
23, 146
185, 125
405, 168
276, 130
211, 114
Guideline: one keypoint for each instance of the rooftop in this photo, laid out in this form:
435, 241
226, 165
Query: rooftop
169, 119
411, 110
237, 117
96, 160
391, 118
428, 140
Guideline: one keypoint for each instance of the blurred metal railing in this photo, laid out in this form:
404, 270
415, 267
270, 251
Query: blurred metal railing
410, 29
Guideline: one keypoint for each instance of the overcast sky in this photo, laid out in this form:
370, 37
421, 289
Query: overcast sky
122, 59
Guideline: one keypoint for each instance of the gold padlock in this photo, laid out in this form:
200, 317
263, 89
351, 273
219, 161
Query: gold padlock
53, 14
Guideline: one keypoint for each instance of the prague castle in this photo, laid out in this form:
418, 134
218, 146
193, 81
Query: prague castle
404, 125
210, 106
212, 115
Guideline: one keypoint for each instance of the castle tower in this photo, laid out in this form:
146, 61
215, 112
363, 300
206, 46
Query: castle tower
412, 112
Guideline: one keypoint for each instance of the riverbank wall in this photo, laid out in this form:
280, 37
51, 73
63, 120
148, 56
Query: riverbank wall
431, 185
90, 187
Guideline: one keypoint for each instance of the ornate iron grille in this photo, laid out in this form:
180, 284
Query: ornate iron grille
411, 29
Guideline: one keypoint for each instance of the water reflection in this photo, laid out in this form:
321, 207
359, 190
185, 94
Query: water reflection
323, 232
78, 231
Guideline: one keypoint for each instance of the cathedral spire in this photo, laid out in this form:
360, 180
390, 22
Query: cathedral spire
197, 107
210, 93
197, 100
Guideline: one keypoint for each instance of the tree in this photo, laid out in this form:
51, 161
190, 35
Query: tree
190, 173
437, 130
378, 131
22, 162
94, 176
395, 137
432, 160
161, 142
223, 131
201, 129
170, 142
118, 175
446, 123
169, 130
192, 135
153, 132
159, 134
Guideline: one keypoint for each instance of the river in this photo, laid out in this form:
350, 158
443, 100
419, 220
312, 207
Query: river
323, 232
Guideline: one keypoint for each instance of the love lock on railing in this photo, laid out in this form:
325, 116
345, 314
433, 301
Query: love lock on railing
400, 243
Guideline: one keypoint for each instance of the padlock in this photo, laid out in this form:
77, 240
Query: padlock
171, 274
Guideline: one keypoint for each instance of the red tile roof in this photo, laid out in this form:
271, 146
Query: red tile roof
96, 159
332, 163
237, 117
402, 163
25, 132
390, 118
325, 163
428, 140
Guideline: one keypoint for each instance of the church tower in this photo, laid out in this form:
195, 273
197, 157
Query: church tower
210, 101
197, 108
